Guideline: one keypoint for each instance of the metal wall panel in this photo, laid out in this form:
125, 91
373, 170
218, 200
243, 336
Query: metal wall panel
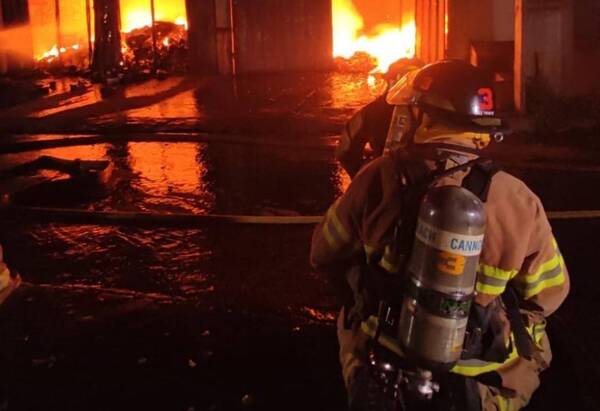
282, 35
202, 36
430, 16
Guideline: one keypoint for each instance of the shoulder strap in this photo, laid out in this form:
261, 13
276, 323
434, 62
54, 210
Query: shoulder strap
479, 179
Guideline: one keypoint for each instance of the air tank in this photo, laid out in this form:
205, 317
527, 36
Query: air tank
442, 269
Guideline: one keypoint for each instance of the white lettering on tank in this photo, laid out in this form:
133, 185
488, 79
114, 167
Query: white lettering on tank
465, 245
462, 244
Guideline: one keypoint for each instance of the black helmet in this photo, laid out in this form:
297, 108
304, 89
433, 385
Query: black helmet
452, 90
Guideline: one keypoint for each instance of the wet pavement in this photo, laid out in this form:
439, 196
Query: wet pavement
305, 104
223, 317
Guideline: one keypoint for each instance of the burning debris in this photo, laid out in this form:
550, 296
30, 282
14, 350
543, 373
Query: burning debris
73, 58
125, 39
170, 47
357, 49
359, 62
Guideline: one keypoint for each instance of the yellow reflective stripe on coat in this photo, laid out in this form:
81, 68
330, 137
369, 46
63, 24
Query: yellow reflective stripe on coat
475, 367
390, 261
549, 274
467, 368
4, 276
504, 404
334, 231
492, 280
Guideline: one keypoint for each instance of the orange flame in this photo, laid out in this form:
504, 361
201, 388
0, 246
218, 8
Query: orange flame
390, 43
136, 13
54, 52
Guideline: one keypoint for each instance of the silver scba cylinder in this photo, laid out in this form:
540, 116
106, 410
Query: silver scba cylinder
443, 270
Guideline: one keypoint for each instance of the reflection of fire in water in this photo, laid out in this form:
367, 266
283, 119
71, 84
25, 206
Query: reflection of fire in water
389, 44
172, 175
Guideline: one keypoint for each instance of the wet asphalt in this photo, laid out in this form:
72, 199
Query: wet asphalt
225, 317
233, 317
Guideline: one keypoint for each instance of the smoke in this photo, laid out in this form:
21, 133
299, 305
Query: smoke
16, 41
386, 12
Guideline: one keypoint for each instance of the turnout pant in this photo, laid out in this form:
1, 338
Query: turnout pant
520, 375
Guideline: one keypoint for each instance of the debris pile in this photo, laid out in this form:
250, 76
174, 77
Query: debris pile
360, 62
138, 60
171, 48
71, 59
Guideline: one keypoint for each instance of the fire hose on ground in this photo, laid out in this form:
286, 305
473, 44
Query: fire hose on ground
185, 220
24, 145
190, 220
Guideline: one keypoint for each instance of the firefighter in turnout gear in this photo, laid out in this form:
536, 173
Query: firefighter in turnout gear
443, 119
370, 124
9, 282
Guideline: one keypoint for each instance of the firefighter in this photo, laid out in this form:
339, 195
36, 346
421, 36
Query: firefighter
370, 124
444, 119
8, 282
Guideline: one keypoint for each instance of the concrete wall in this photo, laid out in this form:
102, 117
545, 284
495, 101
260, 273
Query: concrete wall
583, 75
504, 20
552, 46
543, 45
478, 20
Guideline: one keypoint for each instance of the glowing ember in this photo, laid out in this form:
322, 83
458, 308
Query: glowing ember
390, 43
54, 52
181, 21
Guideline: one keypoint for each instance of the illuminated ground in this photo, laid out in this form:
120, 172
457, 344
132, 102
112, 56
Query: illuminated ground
221, 318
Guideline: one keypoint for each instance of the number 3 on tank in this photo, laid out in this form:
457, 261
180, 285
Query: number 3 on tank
452, 264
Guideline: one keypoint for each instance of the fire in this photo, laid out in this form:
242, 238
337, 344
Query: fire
136, 14
54, 52
388, 44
